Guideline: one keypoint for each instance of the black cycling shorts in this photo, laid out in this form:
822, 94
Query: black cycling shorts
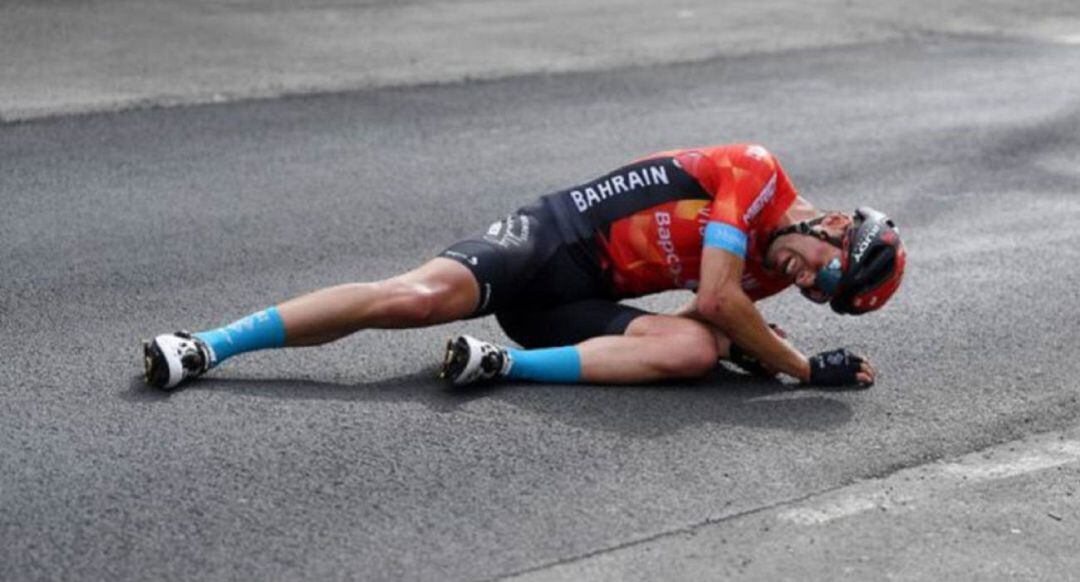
543, 290
566, 324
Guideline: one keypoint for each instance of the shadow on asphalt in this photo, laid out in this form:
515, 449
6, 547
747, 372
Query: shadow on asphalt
423, 387
723, 397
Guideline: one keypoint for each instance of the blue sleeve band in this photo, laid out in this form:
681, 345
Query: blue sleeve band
720, 235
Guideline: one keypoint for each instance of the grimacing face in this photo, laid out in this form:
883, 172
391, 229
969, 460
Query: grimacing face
799, 257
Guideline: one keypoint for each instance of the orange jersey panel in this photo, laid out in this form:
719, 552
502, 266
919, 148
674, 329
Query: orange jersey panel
659, 248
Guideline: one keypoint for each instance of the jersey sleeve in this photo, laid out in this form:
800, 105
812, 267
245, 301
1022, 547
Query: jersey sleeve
750, 189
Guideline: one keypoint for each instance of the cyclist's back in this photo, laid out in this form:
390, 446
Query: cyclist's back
645, 222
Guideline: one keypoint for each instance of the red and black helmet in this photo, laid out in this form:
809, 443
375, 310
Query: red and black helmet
873, 263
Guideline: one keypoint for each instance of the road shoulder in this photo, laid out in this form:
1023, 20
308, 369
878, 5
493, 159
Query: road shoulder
122, 54
1009, 510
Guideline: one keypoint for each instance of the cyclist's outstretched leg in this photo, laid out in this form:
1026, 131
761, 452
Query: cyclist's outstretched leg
441, 290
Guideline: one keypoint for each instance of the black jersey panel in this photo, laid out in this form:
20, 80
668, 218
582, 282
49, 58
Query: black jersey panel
583, 210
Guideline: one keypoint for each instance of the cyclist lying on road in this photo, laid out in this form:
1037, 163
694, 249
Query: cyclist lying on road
723, 221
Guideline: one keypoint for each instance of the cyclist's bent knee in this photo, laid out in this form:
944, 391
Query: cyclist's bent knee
691, 353
685, 347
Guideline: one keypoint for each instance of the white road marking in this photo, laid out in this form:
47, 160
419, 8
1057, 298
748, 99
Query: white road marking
1068, 39
1052, 455
907, 487
830, 511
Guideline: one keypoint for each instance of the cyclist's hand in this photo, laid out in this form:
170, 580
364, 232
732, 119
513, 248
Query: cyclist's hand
841, 368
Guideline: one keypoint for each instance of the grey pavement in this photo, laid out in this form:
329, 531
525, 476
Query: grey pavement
352, 462
1007, 512
100, 55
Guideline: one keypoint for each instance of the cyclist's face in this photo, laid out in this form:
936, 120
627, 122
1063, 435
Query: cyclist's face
800, 258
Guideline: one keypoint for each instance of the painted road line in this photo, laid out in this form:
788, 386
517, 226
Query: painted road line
905, 489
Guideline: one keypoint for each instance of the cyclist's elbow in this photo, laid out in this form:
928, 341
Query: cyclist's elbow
719, 307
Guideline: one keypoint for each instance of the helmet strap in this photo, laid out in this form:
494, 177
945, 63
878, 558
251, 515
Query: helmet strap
806, 227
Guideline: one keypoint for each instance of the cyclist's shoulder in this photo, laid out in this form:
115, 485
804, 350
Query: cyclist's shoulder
706, 162
746, 156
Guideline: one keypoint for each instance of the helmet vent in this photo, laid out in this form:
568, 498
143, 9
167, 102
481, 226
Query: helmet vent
879, 266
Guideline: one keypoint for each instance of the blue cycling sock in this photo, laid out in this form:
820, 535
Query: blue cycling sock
546, 365
258, 331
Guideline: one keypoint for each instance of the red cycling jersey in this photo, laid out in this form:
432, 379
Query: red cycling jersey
660, 247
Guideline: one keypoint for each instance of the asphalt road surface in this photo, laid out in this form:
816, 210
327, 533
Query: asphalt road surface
352, 462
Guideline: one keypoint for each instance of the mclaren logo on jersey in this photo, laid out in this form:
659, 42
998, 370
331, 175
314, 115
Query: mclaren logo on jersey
764, 197
592, 194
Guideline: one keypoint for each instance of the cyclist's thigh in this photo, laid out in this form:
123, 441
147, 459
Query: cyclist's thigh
502, 259
568, 323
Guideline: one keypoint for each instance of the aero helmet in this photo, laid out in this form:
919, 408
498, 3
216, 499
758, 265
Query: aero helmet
873, 259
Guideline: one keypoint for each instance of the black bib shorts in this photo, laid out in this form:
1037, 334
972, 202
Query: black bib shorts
539, 268
544, 290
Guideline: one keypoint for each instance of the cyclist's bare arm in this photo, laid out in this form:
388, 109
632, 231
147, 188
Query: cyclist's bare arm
721, 301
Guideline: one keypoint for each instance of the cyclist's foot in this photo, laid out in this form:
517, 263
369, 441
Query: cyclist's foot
469, 360
172, 358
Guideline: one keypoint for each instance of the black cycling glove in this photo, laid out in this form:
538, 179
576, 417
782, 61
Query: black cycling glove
835, 368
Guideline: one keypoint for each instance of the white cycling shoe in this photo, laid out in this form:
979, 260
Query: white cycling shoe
470, 361
172, 358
